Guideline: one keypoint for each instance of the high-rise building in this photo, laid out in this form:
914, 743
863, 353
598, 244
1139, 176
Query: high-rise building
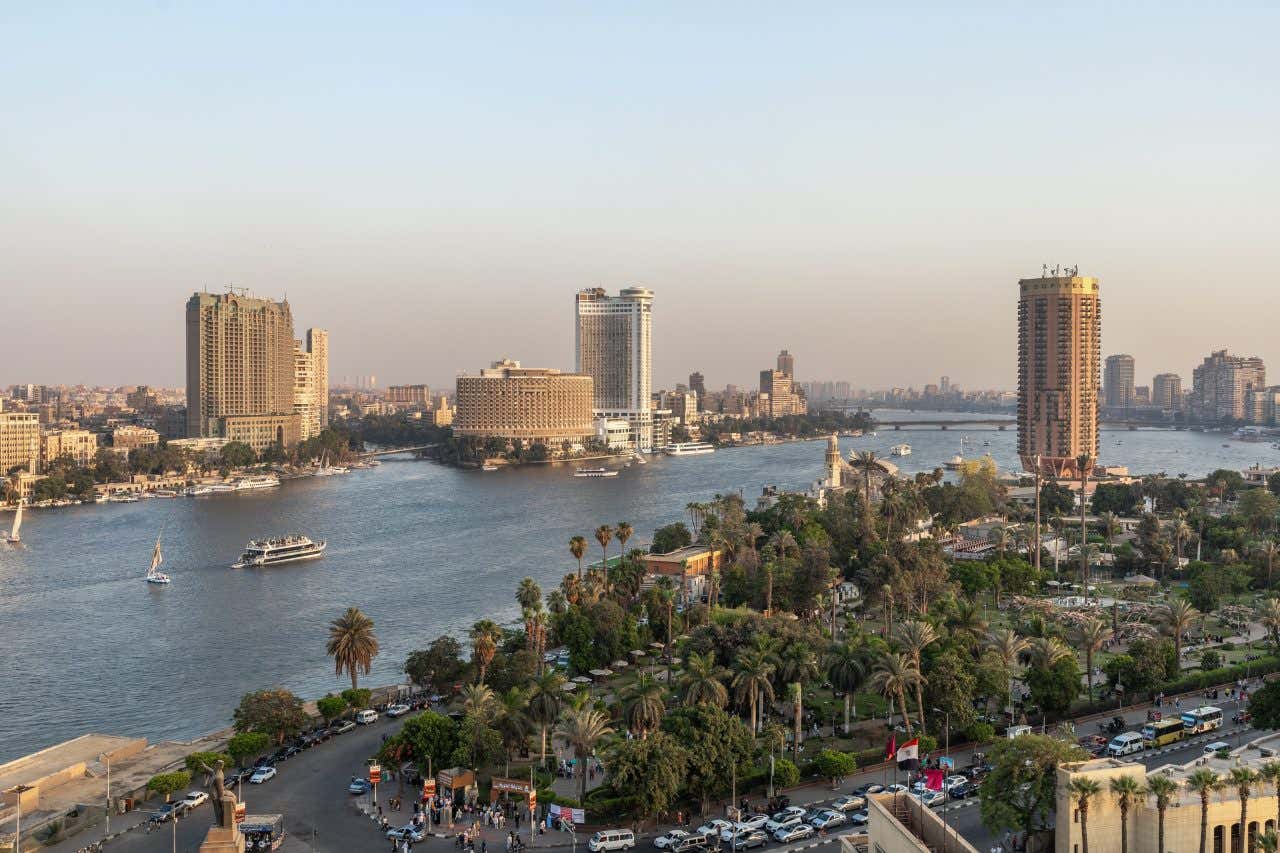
787, 364
311, 383
240, 364
530, 404
1059, 331
78, 445
19, 442
412, 395
1221, 384
778, 395
1166, 392
1117, 381
613, 345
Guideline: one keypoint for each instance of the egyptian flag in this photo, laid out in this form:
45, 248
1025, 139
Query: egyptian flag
909, 755
891, 748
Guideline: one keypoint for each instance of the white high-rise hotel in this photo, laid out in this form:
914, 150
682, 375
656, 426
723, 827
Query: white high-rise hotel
613, 345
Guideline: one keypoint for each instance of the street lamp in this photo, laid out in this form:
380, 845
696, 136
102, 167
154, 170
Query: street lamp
17, 835
950, 766
107, 758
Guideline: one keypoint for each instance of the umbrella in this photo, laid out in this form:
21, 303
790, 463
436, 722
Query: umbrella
638, 653
602, 673
657, 645
582, 679
619, 664
569, 687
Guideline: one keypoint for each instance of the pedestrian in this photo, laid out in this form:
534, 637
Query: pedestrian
484, 846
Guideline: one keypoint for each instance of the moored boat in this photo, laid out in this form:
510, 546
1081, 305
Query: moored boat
689, 448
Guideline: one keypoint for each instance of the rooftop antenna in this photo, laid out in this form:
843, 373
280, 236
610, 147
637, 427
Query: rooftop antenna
1044, 270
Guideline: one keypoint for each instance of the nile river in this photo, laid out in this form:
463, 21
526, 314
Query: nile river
423, 549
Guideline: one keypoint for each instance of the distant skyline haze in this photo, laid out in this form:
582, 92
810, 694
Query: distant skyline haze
860, 184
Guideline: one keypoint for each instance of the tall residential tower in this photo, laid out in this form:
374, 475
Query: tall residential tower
613, 345
1117, 381
1059, 333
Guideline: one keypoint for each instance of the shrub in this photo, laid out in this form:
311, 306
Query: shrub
980, 733
195, 759
168, 783
835, 765
785, 773
1210, 660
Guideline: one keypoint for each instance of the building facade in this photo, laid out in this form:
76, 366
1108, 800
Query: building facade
311, 383
779, 396
240, 360
1221, 385
533, 405
261, 432
410, 395
613, 344
787, 364
1059, 332
79, 445
1166, 392
19, 442
1117, 381
131, 437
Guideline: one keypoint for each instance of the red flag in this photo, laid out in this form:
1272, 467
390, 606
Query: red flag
891, 748
933, 779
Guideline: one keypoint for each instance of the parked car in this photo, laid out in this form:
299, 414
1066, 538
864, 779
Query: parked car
747, 824
860, 817
692, 843
408, 831
896, 788
849, 803
713, 828
262, 774
868, 788
367, 717
667, 840
754, 838
291, 750
612, 839
787, 834
343, 727
962, 790
789, 816
828, 818
359, 786
196, 798
932, 798
398, 710
168, 811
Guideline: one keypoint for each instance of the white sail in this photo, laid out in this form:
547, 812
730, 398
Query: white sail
17, 524
156, 558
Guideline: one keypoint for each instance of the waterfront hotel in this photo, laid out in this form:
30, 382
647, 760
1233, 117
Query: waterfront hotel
613, 344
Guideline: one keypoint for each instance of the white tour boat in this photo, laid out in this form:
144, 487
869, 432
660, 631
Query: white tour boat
12, 536
900, 450
284, 549
257, 481
689, 448
154, 575
595, 472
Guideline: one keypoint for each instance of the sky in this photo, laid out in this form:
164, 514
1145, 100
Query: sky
862, 184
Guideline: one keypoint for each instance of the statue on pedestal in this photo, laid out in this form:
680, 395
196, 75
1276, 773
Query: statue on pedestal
220, 793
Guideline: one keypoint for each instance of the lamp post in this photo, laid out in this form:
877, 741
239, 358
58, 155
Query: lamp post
17, 835
950, 765
107, 759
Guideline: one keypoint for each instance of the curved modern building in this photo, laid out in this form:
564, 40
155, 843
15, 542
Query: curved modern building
532, 404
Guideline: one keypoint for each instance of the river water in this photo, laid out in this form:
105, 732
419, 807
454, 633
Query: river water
423, 549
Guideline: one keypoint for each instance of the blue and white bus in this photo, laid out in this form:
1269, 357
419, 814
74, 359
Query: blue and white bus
1206, 718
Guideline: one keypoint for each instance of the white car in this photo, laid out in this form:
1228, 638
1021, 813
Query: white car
195, 798
932, 798
743, 827
849, 803
665, 842
895, 788
713, 828
261, 775
787, 834
828, 818
789, 816
951, 781
398, 710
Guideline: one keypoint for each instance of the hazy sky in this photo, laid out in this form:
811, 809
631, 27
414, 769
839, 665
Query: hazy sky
862, 184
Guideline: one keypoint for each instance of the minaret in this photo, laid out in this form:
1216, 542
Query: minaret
833, 461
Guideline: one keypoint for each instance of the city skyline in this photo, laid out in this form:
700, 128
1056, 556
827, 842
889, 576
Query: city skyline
803, 202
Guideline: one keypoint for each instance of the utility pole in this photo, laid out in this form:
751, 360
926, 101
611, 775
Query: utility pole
1037, 473
107, 759
17, 835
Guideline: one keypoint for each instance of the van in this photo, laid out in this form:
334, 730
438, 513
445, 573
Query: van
1125, 744
612, 839
1216, 747
367, 717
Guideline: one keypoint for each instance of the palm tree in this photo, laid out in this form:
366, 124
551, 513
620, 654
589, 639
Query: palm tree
644, 706
582, 729
1271, 773
702, 685
1127, 790
529, 597
604, 535
886, 592
1269, 841
798, 663
1178, 619
846, 670
1269, 550
545, 698
511, 722
1165, 791
578, 548
893, 676
1092, 636
768, 588
484, 645
1047, 651
1085, 463
1181, 532
796, 690
751, 681
1008, 646
1243, 779
866, 462
967, 622
1269, 616
624, 532
1082, 791
556, 602
1203, 782
914, 636
352, 644
1000, 537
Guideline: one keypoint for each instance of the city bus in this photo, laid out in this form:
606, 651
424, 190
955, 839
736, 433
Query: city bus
1162, 732
1206, 718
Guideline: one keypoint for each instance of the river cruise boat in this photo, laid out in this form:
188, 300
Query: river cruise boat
689, 448
258, 481
900, 450
284, 549
594, 472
